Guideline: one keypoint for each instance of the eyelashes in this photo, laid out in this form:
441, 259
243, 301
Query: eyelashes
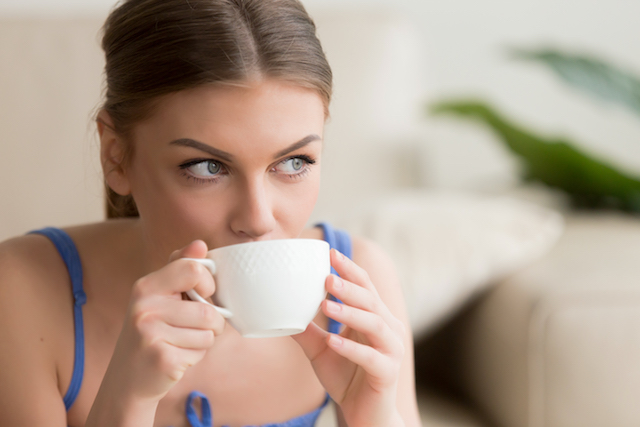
208, 171
295, 165
202, 171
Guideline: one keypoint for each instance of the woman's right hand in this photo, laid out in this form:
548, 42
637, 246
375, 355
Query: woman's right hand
163, 335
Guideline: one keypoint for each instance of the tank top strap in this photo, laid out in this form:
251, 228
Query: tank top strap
205, 418
69, 253
205, 408
337, 239
341, 241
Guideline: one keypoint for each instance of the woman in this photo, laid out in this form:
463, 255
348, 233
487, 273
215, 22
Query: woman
211, 135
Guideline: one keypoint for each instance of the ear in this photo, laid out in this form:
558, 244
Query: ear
112, 153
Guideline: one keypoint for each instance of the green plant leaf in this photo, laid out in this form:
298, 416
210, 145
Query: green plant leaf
589, 74
555, 162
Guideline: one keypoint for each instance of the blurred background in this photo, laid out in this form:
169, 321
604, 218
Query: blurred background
511, 214
425, 52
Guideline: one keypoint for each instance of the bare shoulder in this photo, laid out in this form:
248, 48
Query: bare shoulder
372, 258
34, 255
368, 255
31, 318
34, 284
25, 263
381, 270
379, 265
376, 262
34, 275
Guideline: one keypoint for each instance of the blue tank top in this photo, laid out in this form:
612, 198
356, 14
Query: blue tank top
337, 239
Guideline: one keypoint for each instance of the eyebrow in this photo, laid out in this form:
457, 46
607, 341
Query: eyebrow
297, 145
188, 142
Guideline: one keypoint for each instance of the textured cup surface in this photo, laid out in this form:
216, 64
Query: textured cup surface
272, 288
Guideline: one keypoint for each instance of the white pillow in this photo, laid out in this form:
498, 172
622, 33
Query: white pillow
449, 246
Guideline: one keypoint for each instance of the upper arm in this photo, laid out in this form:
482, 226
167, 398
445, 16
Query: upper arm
29, 392
381, 270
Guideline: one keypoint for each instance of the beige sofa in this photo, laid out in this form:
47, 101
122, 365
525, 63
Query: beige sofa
554, 344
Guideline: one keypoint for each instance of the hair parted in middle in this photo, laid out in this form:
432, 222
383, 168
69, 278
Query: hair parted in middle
155, 47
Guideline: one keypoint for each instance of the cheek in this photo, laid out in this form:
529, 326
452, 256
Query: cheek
298, 202
156, 190
180, 220
175, 215
309, 197
184, 209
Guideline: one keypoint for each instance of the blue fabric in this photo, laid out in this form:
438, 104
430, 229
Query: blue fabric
337, 239
192, 414
341, 241
306, 420
67, 249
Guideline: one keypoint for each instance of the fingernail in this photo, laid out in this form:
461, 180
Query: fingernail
339, 255
337, 282
335, 340
333, 307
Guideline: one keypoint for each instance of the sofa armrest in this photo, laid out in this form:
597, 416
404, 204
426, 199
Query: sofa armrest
558, 343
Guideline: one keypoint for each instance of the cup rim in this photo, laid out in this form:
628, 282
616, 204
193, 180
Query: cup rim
266, 242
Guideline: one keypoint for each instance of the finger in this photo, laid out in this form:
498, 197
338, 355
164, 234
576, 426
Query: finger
312, 340
195, 249
175, 360
192, 356
372, 326
190, 314
187, 338
372, 361
359, 297
178, 276
350, 271
352, 294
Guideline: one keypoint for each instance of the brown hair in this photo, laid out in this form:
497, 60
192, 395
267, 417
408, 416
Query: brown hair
155, 47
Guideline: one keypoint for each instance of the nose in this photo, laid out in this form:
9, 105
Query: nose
253, 216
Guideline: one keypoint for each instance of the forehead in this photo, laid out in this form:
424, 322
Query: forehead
268, 112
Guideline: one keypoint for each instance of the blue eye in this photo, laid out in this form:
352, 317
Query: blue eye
213, 167
294, 165
207, 168
203, 169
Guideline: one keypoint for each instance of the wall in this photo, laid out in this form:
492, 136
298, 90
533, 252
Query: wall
463, 44
432, 49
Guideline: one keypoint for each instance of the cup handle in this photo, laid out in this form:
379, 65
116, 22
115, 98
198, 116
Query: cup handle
211, 266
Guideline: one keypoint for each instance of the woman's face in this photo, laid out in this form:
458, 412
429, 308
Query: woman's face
228, 164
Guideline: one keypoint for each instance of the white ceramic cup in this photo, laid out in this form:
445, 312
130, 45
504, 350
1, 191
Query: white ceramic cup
268, 288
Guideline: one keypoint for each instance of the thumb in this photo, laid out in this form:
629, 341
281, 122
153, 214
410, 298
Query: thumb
312, 340
195, 249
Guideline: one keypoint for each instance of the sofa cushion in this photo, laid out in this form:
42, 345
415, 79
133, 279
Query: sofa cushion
449, 246
558, 343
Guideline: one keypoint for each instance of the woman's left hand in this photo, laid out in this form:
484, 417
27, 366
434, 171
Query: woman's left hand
360, 367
